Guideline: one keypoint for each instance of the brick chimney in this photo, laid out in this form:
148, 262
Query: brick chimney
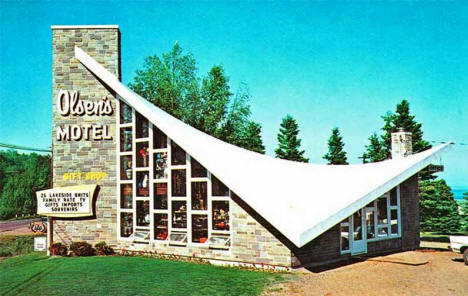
402, 144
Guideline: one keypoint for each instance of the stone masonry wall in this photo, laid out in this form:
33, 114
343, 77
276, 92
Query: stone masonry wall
85, 156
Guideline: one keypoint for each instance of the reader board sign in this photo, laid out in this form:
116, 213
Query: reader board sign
67, 202
40, 243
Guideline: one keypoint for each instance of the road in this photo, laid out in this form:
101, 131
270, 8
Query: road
9, 226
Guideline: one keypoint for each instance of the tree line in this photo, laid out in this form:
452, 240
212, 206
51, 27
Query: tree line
21, 175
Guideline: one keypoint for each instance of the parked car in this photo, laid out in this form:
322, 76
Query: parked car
459, 244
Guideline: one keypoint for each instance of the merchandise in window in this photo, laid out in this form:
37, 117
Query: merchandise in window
199, 196
382, 210
218, 188
198, 171
126, 224
179, 214
142, 183
142, 126
142, 155
126, 196
126, 167
141, 236
178, 156
382, 231
160, 165
142, 213
220, 215
179, 186
159, 139
126, 139
199, 228
160, 196
219, 241
125, 113
160, 226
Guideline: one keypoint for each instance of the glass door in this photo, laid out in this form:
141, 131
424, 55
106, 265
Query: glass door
359, 242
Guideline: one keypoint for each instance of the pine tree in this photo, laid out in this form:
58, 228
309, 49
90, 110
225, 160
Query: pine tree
464, 212
288, 142
336, 154
375, 151
438, 208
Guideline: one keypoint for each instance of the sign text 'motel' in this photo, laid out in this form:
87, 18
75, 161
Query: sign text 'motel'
71, 104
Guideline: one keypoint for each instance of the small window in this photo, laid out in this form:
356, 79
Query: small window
178, 156
199, 228
160, 226
179, 214
142, 155
370, 223
220, 215
141, 126
142, 183
218, 188
159, 139
142, 213
160, 165
125, 113
141, 236
394, 221
357, 224
199, 196
218, 241
126, 224
179, 186
382, 217
126, 168
393, 197
160, 196
178, 238
126, 196
126, 139
344, 231
198, 171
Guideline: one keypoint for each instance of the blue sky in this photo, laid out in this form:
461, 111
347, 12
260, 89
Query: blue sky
326, 63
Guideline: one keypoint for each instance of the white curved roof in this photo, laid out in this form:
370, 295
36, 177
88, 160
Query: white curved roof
301, 200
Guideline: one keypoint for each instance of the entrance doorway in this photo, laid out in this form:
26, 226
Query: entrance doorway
359, 241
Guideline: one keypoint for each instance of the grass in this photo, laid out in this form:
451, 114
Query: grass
37, 274
11, 245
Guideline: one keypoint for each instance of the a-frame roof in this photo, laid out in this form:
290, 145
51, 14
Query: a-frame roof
301, 200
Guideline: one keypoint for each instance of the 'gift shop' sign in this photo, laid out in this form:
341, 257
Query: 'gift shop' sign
70, 104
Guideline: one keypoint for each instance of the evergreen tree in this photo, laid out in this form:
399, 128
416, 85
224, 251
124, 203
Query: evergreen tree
464, 212
288, 142
336, 154
172, 84
438, 208
375, 151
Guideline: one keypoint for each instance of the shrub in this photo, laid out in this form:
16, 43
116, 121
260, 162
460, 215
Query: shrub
82, 249
11, 245
58, 249
103, 249
6, 212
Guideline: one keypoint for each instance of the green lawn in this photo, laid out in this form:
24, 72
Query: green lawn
36, 274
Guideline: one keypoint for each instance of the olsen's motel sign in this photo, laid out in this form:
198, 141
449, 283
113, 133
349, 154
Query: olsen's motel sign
66, 202
70, 104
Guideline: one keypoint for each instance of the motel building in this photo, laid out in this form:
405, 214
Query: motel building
127, 173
